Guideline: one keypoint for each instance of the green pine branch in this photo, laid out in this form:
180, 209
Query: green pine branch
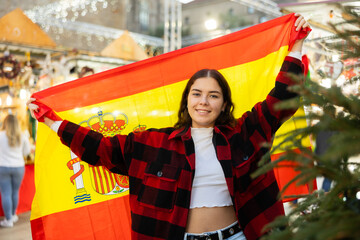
320, 215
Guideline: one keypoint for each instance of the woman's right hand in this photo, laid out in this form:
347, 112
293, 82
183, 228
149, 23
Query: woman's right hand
34, 108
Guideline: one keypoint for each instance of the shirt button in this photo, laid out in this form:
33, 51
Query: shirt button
231, 231
208, 238
159, 173
246, 157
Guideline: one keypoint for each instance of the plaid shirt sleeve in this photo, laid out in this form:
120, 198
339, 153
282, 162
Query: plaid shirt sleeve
290, 68
256, 200
264, 113
93, 145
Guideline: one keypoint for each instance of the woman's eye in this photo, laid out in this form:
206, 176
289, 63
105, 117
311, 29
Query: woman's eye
214, 96
196, 94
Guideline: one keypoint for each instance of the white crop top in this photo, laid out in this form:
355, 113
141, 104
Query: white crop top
209, 187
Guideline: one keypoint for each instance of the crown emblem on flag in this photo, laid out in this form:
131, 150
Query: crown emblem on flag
108, 124
139, 128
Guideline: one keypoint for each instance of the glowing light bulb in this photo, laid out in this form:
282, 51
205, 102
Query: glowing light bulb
8, 100
22, 94
211, 24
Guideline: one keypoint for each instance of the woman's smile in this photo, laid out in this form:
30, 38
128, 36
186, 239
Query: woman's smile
202, 111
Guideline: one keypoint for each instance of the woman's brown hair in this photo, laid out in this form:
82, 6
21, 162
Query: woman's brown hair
226, 117
12, 129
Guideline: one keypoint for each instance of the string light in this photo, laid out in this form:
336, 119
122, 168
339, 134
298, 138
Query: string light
61, 15
61, 10
55, 16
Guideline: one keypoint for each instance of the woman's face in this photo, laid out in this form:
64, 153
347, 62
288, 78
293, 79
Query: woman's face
205, 102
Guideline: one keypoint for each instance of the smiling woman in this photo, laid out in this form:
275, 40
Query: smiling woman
193, 180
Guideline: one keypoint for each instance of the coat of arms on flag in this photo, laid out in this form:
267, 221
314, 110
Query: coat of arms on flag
102, 180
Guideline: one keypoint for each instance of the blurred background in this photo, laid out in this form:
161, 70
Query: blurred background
48, 42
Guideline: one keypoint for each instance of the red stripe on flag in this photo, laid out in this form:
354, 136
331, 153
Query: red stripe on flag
285, 174
96, 185
103, 220
106, 179
100, 180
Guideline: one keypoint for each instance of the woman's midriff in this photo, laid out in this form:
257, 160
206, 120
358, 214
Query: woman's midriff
210, 219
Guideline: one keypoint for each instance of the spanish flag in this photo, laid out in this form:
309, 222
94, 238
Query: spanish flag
74, 200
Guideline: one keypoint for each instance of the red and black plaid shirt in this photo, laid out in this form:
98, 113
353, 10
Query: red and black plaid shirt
160, 164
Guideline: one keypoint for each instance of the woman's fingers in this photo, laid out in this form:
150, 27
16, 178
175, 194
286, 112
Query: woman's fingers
298, 19
30, 101
32, 107
300, 22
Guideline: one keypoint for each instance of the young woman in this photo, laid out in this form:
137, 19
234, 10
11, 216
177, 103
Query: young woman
192, 181
13, 148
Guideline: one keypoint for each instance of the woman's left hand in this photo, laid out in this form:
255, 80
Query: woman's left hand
300, 22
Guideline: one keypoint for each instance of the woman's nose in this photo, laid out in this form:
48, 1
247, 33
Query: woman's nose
204, 100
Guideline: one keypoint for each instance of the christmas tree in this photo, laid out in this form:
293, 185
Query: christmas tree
334, 214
